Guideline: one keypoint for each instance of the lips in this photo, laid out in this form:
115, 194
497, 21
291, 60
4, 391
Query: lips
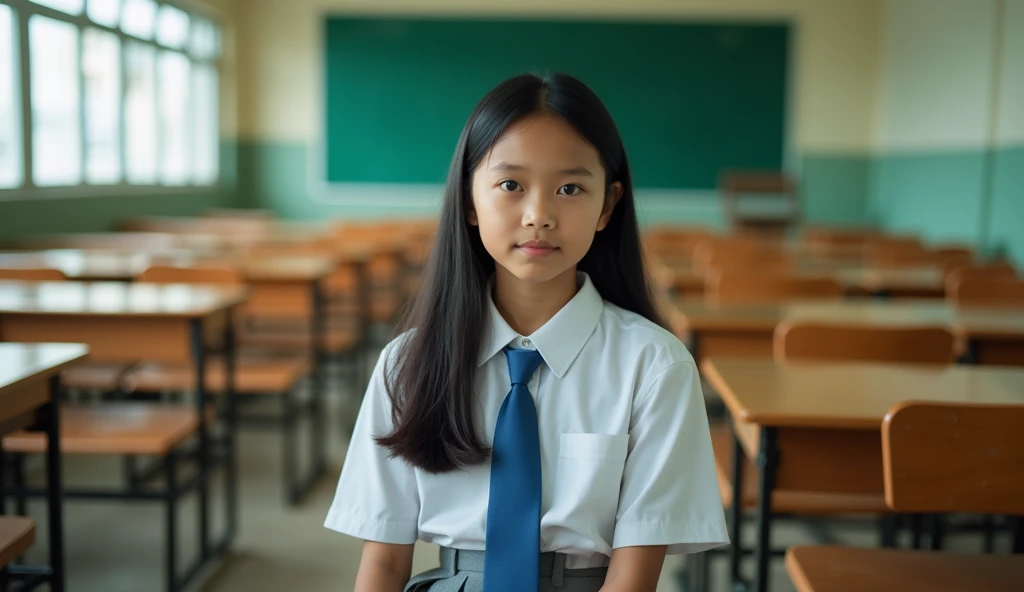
535, 248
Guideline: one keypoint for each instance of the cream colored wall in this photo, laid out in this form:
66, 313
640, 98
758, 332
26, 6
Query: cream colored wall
952, 75
1010, 130
279, 56
937, 74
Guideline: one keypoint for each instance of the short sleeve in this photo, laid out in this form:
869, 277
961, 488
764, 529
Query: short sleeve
377, 498
669, 493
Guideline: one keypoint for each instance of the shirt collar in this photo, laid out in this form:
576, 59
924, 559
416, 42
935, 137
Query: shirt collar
560, 340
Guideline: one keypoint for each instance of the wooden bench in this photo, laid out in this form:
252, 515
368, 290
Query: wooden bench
937, 457
114, 429
17, 535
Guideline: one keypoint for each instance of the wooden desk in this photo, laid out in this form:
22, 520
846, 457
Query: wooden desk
140, 322
825, 420
993, 336
30, 384
99, 265
856, 278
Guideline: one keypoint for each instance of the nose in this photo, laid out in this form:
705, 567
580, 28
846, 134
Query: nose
538, 211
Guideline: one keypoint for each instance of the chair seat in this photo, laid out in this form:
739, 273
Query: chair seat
252, 376
17, 535
341, 339
94, 376
783, 501
141, 428
845, 569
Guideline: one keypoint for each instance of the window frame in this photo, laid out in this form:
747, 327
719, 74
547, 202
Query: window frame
23, 11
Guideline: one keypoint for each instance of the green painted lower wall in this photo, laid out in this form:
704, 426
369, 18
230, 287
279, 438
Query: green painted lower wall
935, 194
1006, 219
276, 176
834, 189
21, 216
940, 196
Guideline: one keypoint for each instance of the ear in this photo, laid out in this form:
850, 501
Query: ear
611, 199
471, 216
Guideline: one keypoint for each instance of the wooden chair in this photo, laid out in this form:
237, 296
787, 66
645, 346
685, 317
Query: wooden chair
937, 458
809, 341
957, 273
737, 186
756, 288
997, 292
258, 373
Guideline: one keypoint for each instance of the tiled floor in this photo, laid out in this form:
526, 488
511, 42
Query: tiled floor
117, 547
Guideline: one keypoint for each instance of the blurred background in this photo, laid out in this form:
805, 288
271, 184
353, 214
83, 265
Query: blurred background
258, 152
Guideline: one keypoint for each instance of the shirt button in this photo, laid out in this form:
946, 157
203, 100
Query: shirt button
527, 343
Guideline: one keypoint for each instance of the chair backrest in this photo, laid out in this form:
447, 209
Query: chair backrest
222, 275
41, 274
805, 340
954, 457
999, 291
750, 288
901, 253
737, 249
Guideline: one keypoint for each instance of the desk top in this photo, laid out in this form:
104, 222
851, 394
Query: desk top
115, 299
20, 362
88, 265
696, 315
849, 395
852, 276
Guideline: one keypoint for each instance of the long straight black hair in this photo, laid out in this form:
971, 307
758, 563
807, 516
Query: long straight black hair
431, 386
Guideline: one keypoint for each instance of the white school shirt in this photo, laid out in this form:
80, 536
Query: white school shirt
625, 447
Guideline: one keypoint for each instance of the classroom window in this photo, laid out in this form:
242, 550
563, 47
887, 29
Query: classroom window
175, 114
172, 27
205, 125
105, 12
101, 69
140, 113
68, 6
56, 121
139, 18
10, 121
111, 94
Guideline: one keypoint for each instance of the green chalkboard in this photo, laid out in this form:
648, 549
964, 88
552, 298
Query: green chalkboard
689, 98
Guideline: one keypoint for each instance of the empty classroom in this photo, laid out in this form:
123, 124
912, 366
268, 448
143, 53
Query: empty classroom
690, 296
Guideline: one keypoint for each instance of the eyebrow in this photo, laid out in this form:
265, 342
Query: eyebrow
509, 167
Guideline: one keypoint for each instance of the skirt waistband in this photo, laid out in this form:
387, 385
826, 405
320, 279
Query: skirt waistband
552, 565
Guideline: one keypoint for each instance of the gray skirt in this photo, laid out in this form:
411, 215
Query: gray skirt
463, 571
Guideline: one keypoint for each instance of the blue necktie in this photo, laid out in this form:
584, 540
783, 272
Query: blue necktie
512, 553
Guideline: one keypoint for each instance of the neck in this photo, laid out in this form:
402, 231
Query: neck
526, 306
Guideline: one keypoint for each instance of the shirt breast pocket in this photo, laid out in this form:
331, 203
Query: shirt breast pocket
587, 482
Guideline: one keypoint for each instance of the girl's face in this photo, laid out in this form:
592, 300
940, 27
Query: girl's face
539, 196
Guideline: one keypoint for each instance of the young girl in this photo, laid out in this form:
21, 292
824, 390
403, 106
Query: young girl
534, 420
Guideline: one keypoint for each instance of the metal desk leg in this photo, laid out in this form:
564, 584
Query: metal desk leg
54, 489
199, 359
767, 461
318, 441
230, 438
736, 511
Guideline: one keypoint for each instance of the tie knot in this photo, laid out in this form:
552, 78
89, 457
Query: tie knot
522, 363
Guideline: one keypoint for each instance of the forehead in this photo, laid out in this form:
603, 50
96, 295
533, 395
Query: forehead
544, 142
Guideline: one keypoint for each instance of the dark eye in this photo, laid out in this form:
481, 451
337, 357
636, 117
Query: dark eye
509, 185
570, 189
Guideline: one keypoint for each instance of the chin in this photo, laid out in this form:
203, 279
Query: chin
536, 272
